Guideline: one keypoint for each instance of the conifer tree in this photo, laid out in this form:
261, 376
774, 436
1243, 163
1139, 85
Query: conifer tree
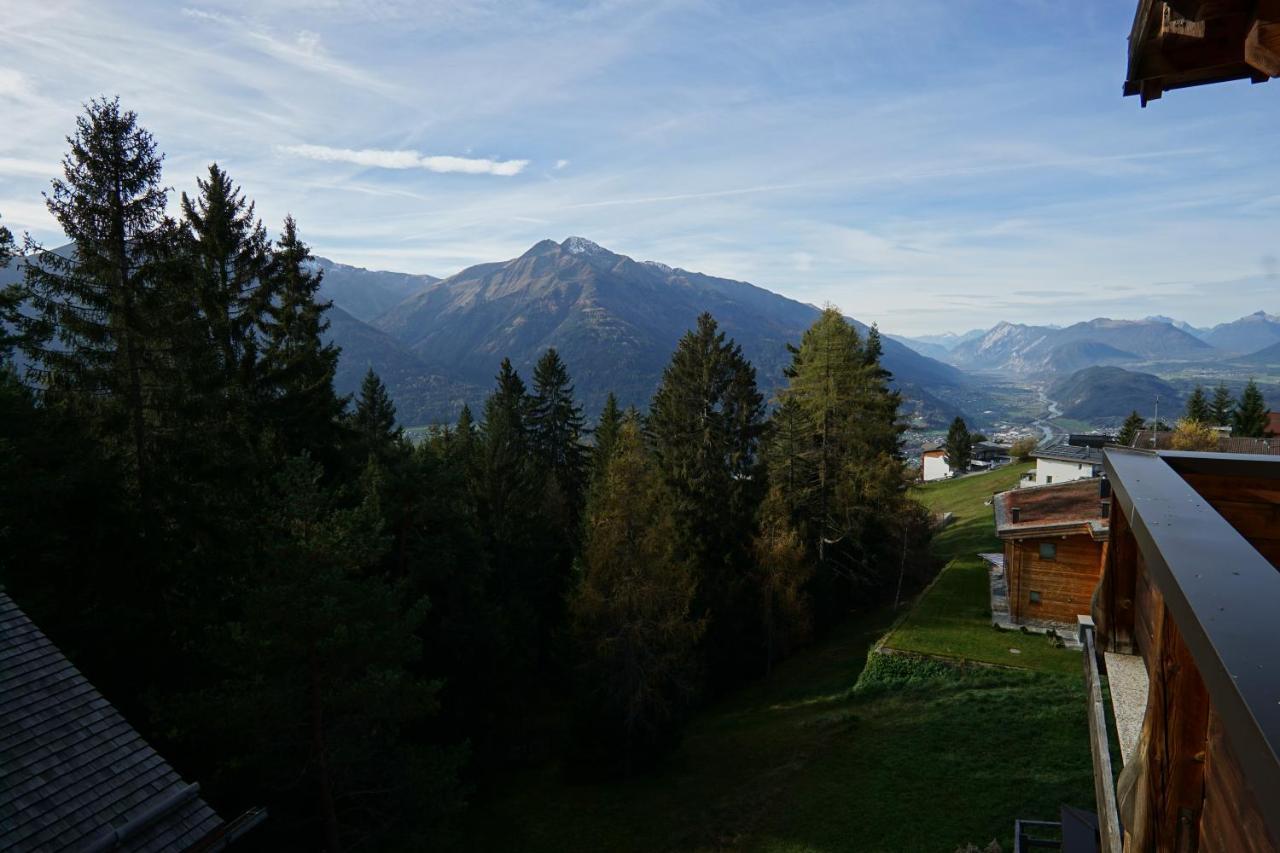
1250, 416
1129, 429
1198, 409
605, 435
1221, 405
555, 430
632, 615
782, 572
11, 297
958, 447
298, 365
99, 311
706, 422
230, 256
374, 419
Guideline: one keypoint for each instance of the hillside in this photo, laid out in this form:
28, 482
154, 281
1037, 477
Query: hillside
1044, 350
366, 294
1268, 356
1106, 393
615, 321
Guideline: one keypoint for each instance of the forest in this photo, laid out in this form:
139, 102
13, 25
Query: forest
302, 609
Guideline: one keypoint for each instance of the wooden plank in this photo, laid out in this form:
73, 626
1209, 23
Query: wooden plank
1104, 787
1262, 45
1230, 821
1184, 719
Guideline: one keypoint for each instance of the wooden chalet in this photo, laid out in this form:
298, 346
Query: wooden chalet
1053, 542
1186, 626
1180, 43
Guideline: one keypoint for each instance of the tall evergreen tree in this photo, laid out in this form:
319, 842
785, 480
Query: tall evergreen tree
1129, 429
11, 297
1250, 416
99, 311
301, 406
1221, 406
782, 570
555, 432
958, 447
605, 435
706, 422
632, 615
1198, 408
374, 418
230, 256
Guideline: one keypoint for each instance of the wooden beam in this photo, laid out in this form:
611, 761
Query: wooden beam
1104, 788
1174, 24
1262, 44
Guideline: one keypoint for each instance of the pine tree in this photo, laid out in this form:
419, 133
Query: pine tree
555, 430
230, 256
11, 297
632, 616
605, 435
99, 311
374, 419
958, 447
706, 422
1250, 416
1198, 409
1221, 406
1129, 430
298, 365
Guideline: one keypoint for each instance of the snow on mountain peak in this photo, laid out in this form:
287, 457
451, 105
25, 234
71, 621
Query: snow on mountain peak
583, 246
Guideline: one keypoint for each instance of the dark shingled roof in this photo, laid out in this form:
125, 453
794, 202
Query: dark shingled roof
1064, 507
1069, 453
73, 774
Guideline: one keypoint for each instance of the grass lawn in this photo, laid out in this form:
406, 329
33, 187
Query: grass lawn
803, 762
953, 617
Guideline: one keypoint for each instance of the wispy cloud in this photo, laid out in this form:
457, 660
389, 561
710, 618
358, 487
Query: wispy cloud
381, 159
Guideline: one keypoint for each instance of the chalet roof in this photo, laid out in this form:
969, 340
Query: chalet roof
1144, 440
76, 775
1059, 508
1069, 453
1179, 43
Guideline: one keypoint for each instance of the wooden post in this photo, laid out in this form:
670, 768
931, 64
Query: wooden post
1103, 781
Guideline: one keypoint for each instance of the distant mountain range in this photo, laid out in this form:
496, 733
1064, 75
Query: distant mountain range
614, 320
1098, 394
1249, 334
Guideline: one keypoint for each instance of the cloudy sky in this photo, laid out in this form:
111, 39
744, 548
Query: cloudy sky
932, 165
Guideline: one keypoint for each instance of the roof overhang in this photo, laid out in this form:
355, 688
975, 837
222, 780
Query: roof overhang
1180, 43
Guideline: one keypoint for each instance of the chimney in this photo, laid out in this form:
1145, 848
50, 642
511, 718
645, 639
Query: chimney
1015, 513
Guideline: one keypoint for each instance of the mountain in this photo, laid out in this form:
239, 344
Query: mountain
1268, 356
365, 294
944, 343
420, 394
930, 350
1042, 350
1098, 394
1252, 333
1180, 324
615, 321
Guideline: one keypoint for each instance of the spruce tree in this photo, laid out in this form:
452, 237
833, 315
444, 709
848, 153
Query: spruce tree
958, 447
230, 256
1198, 408
555, 430
99, 310
632, 616
374, 418
1221, 405
1129, 429
1250, 416
706, 422
298, 365
605, 435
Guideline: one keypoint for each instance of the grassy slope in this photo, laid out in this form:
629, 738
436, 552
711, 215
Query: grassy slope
953, 619
802, 761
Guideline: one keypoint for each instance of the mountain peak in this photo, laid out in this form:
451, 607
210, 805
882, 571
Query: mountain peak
583, 246
542, 247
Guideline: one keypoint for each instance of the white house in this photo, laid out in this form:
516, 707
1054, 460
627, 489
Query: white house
1062, 463
933, 464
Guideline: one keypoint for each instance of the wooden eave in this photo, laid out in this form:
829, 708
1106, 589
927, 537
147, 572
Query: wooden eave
1180, 43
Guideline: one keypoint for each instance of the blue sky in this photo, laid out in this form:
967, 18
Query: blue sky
927, 165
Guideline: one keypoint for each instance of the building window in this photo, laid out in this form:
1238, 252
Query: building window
1035, 596
1048, 479
1048, 551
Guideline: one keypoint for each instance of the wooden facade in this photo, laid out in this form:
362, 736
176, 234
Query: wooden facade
1056, 589
1190, 584
1180, 43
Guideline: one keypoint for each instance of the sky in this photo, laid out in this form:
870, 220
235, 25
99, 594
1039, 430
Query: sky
931, 166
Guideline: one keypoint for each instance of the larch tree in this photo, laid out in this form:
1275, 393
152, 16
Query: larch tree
632, 616
605, 435
1192, 434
